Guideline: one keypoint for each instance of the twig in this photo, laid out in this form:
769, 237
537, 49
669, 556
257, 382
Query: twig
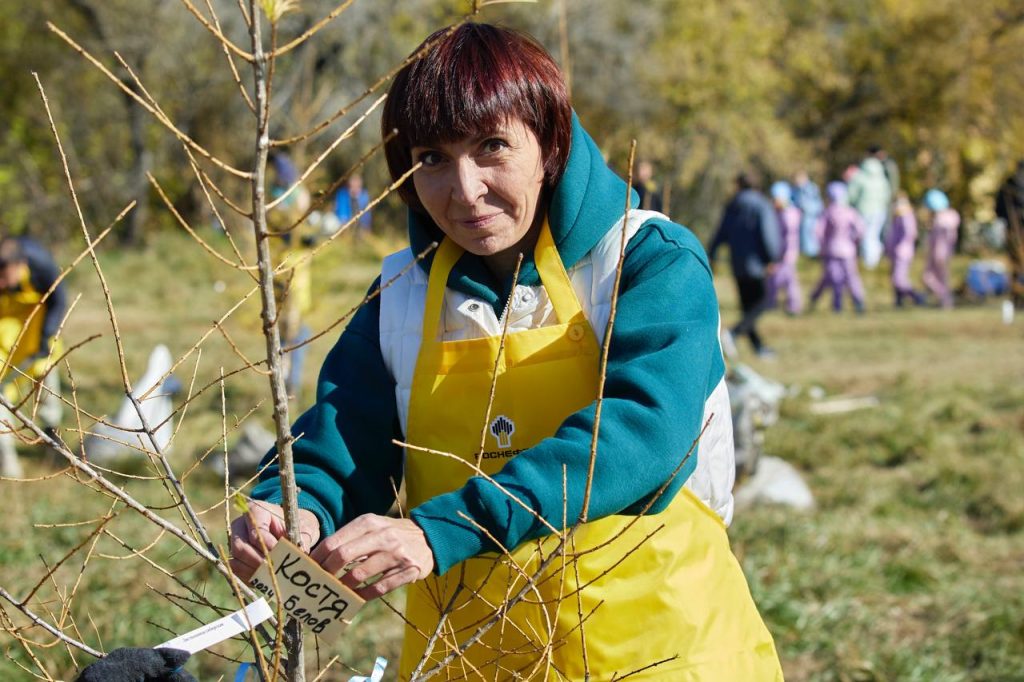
499, 356
231, 62
584, 511
345, 134
46, 626
215, 30
145, 105
369, 91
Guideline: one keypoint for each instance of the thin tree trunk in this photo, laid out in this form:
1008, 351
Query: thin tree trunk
289, 494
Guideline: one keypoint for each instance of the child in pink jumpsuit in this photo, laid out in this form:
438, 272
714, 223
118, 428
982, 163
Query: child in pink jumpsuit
900, 244
941, 244
784, 277
839, 230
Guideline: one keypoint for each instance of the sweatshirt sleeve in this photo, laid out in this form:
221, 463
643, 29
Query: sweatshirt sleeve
663, 354
771, 233
345, 462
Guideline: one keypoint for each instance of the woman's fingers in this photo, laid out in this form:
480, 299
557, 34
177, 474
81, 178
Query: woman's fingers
245, 558
394, 551
388, 582
266, 524
260, 529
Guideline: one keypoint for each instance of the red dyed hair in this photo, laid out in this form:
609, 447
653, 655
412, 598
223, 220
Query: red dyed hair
471, 79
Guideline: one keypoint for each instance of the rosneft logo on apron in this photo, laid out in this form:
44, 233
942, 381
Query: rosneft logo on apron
502, 429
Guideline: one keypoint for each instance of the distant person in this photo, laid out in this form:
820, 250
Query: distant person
889, 165
869, 193
1010, 207
293, 286
750, 229
807, 198
900, 245
350, 200
28, 328
839, 230
646, 187
942, 234
784, 278
892, 175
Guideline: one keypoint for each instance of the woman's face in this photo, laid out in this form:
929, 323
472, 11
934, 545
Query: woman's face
483, 191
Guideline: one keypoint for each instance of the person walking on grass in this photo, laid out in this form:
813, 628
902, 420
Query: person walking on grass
942, 233
900, 245
751, 231
784, 278
870, 194
505, 169
807, 198
839, 231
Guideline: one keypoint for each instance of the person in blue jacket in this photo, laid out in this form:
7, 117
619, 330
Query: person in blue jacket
807, 197
751, 230
488, 371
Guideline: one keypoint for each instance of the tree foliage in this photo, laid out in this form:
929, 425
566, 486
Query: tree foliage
706, 88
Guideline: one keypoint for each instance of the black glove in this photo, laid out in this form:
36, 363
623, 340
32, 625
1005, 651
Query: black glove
139, 665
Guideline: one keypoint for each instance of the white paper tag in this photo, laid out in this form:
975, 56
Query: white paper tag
219, 630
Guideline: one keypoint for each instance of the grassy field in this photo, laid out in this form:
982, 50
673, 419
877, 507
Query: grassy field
911, 568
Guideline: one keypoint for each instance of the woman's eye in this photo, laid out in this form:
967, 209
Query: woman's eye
429, 158
495, 144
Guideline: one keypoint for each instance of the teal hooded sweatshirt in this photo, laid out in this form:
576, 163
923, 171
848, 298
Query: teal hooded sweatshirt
664, 361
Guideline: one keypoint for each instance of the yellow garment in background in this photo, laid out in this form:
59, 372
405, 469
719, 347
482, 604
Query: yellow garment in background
23, 309
678, 594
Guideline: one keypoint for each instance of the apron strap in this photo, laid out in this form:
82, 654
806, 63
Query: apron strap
555, 279
444, 260
549, 266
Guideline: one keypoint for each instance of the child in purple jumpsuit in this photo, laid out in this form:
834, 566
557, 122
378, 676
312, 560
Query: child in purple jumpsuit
900, 244
941, 244
784, 276
839, 230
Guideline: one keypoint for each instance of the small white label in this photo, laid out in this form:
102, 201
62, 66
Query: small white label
308, 593
219, 630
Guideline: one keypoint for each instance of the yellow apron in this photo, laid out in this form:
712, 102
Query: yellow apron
678, 595
16, 308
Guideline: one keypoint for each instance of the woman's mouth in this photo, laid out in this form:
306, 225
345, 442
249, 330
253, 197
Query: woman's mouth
476, 222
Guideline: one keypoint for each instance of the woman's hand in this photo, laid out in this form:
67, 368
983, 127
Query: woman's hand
265, 521
390, 552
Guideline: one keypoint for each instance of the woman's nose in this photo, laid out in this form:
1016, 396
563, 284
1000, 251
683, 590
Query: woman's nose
468, 182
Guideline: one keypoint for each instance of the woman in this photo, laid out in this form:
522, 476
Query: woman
506, 169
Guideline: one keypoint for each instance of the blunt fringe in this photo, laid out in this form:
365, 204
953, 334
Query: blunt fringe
469, 79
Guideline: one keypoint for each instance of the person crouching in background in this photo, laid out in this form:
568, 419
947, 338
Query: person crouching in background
32, 306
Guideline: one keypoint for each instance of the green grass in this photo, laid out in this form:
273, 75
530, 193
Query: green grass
910, 568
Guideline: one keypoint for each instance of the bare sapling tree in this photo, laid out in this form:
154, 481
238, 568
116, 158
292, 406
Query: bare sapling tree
182, 545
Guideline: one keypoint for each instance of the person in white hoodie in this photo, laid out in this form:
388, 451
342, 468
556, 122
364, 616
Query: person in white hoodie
870, 194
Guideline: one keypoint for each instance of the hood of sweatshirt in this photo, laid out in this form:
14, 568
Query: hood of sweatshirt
583, 206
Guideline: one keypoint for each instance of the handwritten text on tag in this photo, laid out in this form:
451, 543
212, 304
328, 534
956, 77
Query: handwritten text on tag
308, 593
